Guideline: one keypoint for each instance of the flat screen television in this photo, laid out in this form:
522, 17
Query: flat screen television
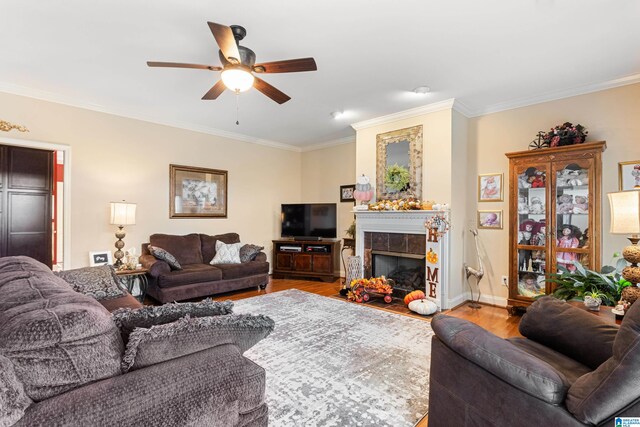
309, 221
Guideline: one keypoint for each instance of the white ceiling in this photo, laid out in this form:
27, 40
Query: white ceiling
488, 55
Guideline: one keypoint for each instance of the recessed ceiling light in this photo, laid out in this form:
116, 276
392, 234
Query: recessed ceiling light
337, 114
422, 90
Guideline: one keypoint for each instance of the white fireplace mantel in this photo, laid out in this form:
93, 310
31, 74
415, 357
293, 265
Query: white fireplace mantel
410, 222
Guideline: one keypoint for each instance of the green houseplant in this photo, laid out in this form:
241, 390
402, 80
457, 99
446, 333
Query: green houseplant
606, 284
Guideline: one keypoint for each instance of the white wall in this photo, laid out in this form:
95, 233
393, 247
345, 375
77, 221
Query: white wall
323, 172
115, 158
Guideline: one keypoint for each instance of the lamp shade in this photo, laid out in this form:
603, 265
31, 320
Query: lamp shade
123, 213
625, 212
237, 79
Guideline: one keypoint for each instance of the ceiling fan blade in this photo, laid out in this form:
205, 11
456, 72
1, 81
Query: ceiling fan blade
286, 66
273, 93
181, 65
227, 42
215, 91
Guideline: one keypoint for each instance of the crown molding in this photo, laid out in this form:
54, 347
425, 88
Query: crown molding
59, 99
556, 95
328, 144
406, 114
462, 108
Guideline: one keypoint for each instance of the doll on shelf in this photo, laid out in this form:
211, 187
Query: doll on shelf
581, 205
540, 234
538, 180
523, 208
536, 207
565, 204
568, 237
528, 286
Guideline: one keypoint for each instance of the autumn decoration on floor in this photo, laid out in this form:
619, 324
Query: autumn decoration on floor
361, 290
414, 295
423, 306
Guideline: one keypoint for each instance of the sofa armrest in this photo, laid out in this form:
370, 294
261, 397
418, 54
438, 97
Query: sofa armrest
155, 266
261, 257
199, 389
569, 330
501, 358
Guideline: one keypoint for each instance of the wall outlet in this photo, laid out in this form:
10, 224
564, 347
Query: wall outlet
505, 280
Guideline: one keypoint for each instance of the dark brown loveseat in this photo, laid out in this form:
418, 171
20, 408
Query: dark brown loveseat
198, 278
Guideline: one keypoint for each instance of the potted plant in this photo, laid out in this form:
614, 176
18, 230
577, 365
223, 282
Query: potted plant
593, 300
607, 285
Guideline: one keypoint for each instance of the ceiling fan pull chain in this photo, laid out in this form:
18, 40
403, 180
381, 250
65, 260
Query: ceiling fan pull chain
237, 107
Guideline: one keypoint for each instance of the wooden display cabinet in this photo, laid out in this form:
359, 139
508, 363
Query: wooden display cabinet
313, 258
554, 216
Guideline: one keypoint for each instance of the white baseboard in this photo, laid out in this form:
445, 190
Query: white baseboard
487, 299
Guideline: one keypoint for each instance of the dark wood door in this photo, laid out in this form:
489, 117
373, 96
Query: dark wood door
25, 202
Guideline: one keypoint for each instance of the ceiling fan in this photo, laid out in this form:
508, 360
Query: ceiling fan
238, 65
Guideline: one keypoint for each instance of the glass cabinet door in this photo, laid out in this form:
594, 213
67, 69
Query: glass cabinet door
572, 215
532, 230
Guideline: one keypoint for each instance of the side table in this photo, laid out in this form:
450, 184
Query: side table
128, 279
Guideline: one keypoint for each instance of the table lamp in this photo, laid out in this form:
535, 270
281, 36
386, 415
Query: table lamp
625, 219
121, 214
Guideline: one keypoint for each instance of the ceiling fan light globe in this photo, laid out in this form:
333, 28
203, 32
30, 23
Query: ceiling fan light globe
237, 80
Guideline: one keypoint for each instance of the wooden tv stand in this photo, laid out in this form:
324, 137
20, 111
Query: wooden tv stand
306, 258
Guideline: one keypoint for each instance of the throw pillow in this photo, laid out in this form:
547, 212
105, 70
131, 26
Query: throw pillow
248, 252
189, 335
128, 319
227, 254
13, 399
165, 256
97, 282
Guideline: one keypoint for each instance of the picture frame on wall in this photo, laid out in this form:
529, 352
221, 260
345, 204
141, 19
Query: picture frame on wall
490, 187
97, 258
197, 192
629, 175
490, 219
346, 193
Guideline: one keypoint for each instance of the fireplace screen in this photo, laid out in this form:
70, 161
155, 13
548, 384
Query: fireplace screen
406, 270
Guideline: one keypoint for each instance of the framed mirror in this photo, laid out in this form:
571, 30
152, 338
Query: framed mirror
399, 164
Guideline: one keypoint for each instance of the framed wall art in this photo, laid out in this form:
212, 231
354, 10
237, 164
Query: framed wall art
490, 187
197, 192
490, 219
346, 193
629, 175
97, 258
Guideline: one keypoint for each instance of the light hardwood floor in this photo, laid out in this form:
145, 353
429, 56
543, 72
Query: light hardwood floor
494, 319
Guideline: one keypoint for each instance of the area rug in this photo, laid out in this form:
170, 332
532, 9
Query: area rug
334, 363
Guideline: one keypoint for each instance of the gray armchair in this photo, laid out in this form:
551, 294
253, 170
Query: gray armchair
570, 369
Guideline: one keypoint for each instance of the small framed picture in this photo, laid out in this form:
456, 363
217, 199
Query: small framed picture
100, 258
490, 187
629, 175
346, 193
490, 219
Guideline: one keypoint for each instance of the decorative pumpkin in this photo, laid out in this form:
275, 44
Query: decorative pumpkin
424, 307
414, 295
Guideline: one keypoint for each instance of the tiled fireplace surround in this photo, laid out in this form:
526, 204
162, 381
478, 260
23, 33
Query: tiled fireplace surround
399, 234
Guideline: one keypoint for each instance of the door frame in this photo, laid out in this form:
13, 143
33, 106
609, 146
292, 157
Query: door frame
66, 185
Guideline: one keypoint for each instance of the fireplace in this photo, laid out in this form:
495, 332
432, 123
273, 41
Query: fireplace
406, 270
395, 244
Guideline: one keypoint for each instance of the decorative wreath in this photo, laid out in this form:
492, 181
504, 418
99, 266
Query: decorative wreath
440, 222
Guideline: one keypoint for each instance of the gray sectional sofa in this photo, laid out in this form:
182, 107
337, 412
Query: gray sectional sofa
65, 360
